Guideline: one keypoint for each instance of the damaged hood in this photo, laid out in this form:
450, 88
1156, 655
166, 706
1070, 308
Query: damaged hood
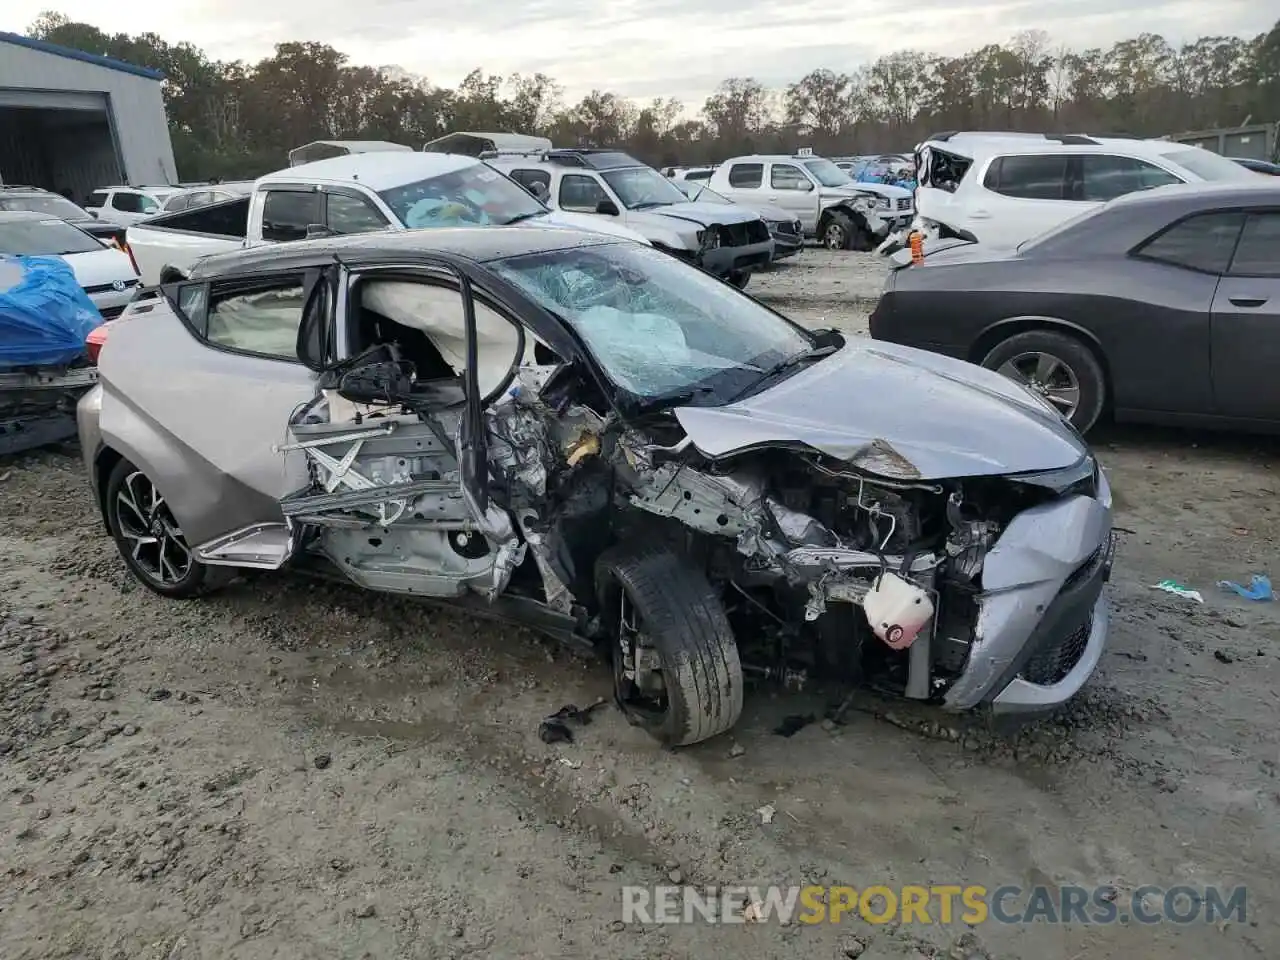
898, 412
694, 214
886, 190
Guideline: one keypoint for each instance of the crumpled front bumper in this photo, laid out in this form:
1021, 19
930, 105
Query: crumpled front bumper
1043, 618
723, 261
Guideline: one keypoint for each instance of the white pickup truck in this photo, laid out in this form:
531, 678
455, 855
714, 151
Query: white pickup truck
842, 213
350, 194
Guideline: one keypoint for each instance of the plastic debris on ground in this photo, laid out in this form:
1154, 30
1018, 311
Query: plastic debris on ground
44, 313
556, 729
1174, 587
1259, 587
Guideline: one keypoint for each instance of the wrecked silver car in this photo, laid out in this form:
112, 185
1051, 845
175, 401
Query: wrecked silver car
593, 438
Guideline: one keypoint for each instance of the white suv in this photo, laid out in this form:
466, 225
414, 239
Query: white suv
126, 205
1004, 188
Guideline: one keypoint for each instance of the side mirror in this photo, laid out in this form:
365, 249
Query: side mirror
608, 208
390, 381
806, 186
318, 231
94, 214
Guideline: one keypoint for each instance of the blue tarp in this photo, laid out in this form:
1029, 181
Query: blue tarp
44, 313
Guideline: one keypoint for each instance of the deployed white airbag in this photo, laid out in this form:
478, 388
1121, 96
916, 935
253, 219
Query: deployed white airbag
437, 312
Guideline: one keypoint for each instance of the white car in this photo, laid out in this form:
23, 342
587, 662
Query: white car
841, 213
356, 193
126, 205
104, 271
202, 196
1005, 188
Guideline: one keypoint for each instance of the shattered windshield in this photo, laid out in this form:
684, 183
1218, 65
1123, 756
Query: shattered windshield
476, 195
827, 173
641, 187
659, 328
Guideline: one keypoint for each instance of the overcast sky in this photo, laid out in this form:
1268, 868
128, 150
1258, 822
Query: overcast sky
641, 48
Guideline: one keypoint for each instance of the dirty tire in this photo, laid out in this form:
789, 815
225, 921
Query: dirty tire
740, 279
839, 232
1069, 350
685, 620
199, 579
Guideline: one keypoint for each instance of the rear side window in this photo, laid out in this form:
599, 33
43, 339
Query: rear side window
746, 175
97, 199
698, 175
1029, 177
1204, 242
1258, 254
286, 214
263, 320
180, 202
1105, 178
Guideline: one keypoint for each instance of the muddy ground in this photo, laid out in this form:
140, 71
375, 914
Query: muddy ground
294, 770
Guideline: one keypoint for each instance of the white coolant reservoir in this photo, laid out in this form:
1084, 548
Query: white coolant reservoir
896, 610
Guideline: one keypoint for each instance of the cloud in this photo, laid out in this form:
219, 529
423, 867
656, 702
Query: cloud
643, 48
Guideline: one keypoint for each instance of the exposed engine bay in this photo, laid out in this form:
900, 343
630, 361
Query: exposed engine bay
823, 568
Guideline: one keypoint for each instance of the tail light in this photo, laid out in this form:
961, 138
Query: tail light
94, 341
917, 247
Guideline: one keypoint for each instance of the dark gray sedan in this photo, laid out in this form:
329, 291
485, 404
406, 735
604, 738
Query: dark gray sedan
1161, 306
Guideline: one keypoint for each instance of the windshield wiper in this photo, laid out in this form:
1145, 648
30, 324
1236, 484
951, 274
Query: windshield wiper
805, 356
650, 204
521, 217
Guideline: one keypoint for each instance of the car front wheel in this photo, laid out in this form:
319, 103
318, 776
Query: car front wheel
1059, 367
676, 669
839, 232
149, 538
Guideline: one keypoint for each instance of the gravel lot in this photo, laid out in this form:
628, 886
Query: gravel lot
293, 770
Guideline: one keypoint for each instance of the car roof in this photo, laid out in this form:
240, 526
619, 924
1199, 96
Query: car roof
770, 158
381, 170
478, 244
1203, 195
976, 145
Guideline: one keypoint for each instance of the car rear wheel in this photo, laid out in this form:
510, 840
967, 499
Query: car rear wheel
675, 661
149, 538
1059, 367
839, 232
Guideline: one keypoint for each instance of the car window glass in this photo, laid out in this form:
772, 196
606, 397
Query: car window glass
580, 193
349, 214
698, 175
1029, 177
97, 199
1204, 242
127, 202
191, 303
180, 202
286, 214
527, 178
746, 175
147, 204
262, 321
1258, 254
201, 198
783, 176
1107, 177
